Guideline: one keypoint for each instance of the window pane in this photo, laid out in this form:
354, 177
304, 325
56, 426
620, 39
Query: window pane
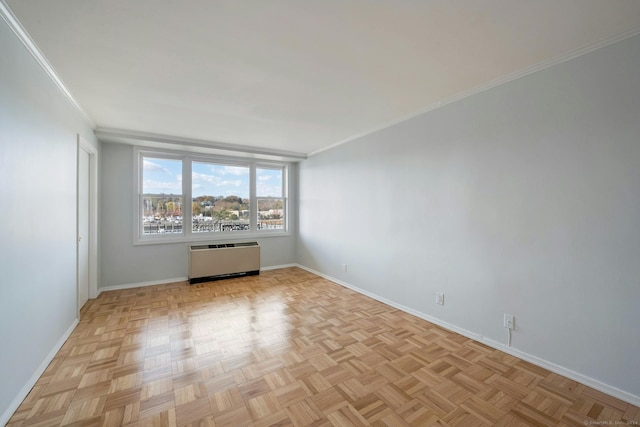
271, 213
162, 201
269, 182
270, 200
220, 197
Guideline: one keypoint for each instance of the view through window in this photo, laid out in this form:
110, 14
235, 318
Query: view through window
162, 201
221, 199
270, 197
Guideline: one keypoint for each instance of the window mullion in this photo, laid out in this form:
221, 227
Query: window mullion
253, 203
284, 195
187, 218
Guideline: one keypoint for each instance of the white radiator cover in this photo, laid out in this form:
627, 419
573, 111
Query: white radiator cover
219, 261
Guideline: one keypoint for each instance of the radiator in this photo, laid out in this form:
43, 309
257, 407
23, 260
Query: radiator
221, 261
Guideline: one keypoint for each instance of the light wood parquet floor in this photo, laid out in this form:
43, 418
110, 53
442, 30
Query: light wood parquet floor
290, 348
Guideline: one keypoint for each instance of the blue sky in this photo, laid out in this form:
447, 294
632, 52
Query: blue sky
165, 176
269, 182
219, 180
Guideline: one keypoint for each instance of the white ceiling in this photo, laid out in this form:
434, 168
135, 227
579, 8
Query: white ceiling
298, 75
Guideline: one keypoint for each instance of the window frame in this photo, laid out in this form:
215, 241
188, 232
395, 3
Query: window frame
187, 234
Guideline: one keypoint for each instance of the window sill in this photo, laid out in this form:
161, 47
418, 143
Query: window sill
166, 240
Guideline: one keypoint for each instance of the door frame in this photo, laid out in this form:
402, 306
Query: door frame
93, 220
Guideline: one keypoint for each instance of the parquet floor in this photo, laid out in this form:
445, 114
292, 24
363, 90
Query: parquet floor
290, 348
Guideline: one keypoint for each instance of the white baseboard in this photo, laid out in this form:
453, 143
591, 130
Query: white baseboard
277, 267
141, 284
560, 370
22, 394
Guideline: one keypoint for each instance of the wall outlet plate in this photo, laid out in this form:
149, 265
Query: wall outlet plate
509, 321
440, 298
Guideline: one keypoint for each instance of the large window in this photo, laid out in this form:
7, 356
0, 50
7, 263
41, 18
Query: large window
227, 197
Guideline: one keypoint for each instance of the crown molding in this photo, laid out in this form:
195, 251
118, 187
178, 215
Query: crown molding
153, 140
493, 83
10, 18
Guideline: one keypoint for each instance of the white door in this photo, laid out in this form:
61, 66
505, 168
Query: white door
83, 226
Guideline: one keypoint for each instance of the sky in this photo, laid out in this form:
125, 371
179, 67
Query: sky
208, 179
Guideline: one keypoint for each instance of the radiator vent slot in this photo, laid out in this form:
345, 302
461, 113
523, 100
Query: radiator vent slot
223, 260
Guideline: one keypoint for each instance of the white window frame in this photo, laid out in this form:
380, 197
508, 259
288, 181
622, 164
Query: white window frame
187, 235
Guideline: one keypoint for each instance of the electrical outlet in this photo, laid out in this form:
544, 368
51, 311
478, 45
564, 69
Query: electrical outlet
509, 321
344, 267
440, 298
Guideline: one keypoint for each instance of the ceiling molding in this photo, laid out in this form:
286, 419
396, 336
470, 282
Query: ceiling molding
153, 140
493, 83
10, 18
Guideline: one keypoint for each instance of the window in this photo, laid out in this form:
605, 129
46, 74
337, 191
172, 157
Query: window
227, 197
220, 198
270, 198
161, 201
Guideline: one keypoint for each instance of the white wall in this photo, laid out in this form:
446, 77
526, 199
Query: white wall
38, 128
523, 199
122, 263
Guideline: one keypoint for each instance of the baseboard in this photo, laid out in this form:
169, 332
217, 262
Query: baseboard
277, 267
22, 394
141, 284
560, 370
